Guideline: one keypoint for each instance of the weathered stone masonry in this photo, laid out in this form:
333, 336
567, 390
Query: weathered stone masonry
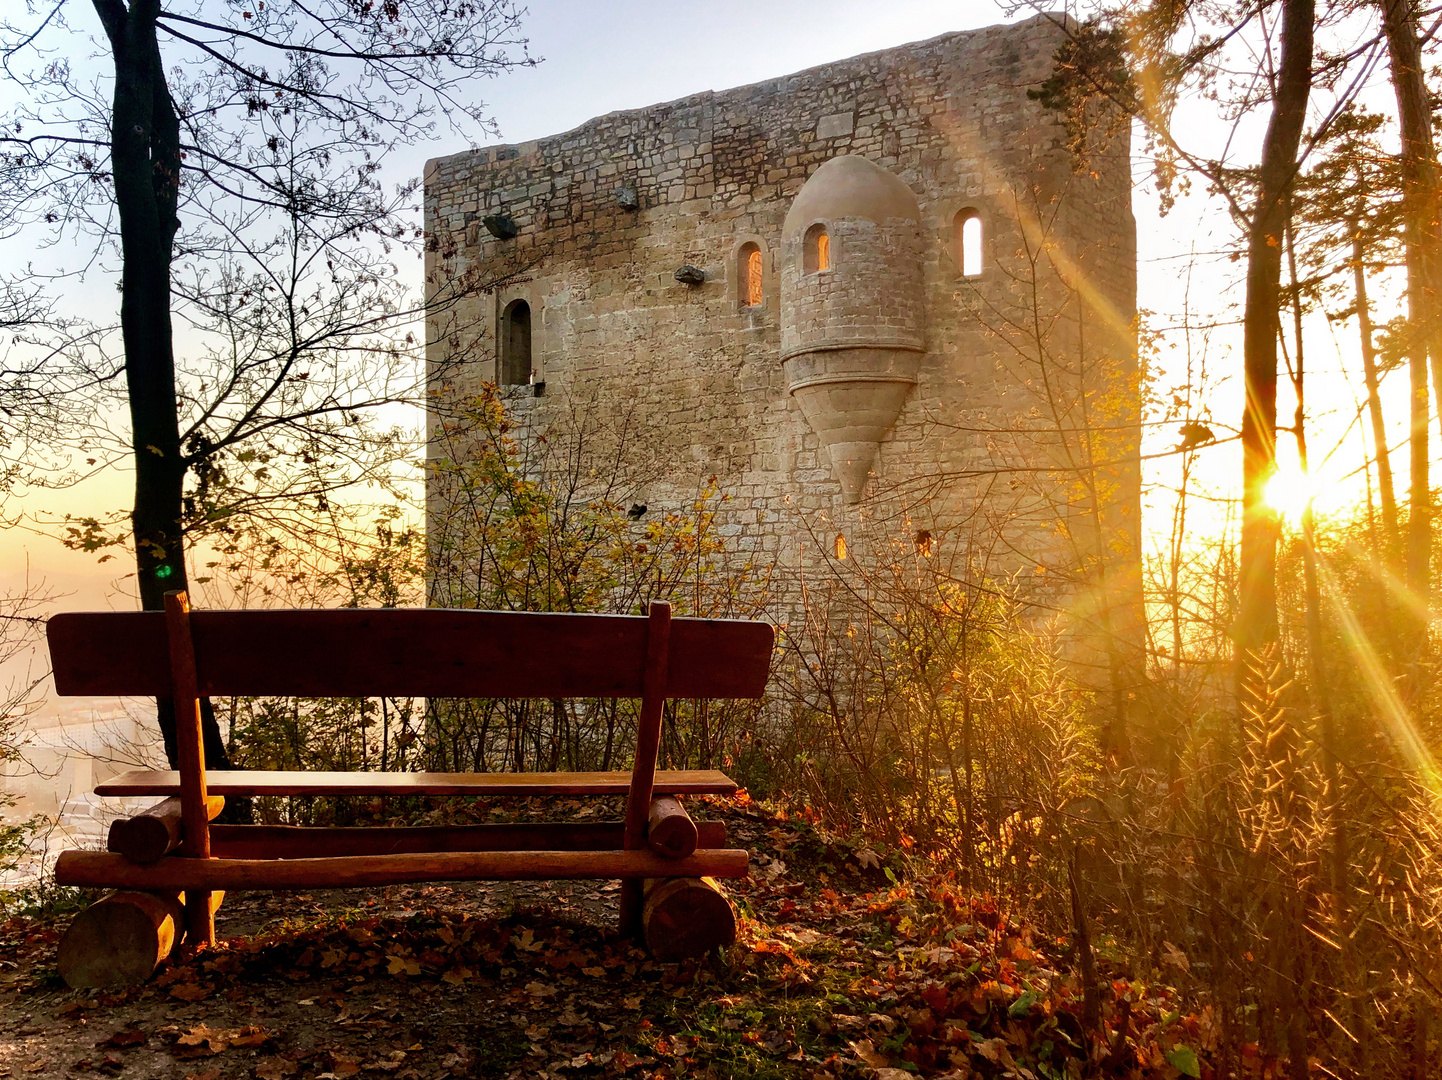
605, 215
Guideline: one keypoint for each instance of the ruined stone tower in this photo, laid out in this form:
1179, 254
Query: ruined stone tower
875, 297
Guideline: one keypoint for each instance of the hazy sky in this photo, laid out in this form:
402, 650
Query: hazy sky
596, 58
601, 57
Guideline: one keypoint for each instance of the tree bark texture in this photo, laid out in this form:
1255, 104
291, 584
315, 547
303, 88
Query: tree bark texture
1256, 626
1424, 263
145, 163
1374, 399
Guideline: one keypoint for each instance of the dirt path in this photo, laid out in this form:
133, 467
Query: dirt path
838, 973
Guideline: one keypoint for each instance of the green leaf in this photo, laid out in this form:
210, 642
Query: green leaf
1184, 1059
1022, 1005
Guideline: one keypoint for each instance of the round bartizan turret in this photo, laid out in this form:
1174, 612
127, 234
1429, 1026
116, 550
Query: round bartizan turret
852, 309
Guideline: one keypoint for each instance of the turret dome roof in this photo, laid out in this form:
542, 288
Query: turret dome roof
850, 186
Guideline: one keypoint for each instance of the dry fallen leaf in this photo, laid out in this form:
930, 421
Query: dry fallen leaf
275, 1068
1175, 957
402, 965
201, 1040
864, 1050
190, 992
125, 1037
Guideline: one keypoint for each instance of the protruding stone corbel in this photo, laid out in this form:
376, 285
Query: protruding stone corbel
500, 225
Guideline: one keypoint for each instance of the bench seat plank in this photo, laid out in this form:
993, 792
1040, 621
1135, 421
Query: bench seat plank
237, 782
101, 869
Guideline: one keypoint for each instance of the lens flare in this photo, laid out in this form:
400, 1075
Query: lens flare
1289, 492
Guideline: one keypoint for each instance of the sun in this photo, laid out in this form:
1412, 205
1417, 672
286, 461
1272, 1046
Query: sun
1289, 492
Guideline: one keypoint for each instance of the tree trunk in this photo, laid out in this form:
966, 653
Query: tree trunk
1419, 195
1256, 626
145, 162
1385, 486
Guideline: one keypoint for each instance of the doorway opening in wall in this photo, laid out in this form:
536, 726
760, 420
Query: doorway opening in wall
816, 250
516, 344
968, 242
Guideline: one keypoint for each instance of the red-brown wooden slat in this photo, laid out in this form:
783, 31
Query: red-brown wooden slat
648, 742
100, 869
190, 755
299, 842
406, 652
237, 782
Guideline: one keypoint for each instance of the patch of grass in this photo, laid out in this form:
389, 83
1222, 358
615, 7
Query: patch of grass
498, 1049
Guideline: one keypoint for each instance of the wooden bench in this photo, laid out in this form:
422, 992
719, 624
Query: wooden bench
434, 653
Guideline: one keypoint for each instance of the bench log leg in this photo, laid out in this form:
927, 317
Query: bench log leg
200, 908
683, 918
120, 940
631, 902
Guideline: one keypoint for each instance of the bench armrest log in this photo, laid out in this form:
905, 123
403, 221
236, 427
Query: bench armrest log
669, 829
97, 869
152, 834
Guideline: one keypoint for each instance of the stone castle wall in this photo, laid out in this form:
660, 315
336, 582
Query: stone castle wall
698, 376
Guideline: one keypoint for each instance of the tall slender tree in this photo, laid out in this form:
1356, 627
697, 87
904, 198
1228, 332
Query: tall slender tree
1423, 233
1256, 627
238, 134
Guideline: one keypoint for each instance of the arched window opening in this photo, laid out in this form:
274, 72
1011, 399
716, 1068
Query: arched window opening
516, 344
840, 546
749, 267
968, 243
817, 253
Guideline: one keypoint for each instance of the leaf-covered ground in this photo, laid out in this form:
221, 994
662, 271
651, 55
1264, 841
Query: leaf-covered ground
840, 971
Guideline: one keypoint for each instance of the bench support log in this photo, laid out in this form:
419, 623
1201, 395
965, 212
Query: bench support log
686, 917
152, 834
98, 869
648, 743
120, 940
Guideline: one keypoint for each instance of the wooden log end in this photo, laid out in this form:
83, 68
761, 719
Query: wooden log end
120, 940
669, 829
152, 834
686, 917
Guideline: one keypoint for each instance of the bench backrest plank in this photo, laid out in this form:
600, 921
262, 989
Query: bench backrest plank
396, 652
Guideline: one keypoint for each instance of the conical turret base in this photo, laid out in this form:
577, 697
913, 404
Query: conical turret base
851, 397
